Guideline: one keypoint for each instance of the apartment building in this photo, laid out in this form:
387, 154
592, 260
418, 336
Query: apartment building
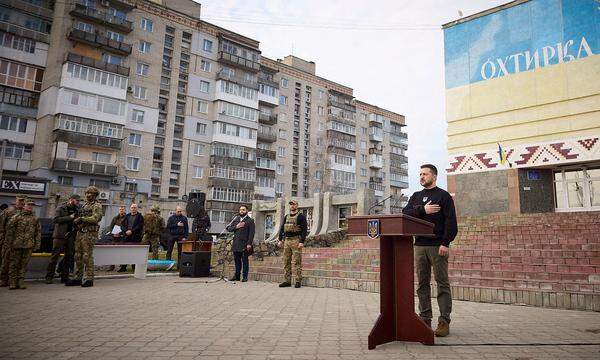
149, 103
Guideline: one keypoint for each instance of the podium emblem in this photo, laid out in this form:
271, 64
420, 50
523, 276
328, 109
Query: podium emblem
373, 230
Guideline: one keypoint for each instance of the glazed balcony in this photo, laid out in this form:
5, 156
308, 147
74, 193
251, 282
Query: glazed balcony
101, 41
266, 136
98, 64
83, 12
267, 119
84, 167
223, 75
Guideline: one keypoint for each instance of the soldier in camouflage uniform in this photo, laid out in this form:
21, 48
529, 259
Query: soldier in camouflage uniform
87, 234
153, 227
24, 232
292, 235
5, 247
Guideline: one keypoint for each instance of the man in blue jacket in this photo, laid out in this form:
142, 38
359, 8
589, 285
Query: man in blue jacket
178, 231
436, 206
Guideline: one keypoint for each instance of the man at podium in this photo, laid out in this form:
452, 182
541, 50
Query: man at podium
436, 206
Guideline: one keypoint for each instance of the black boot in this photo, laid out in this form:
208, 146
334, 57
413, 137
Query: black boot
73, 282
285, 284
234, 278
297, 285
88, 283
64, 279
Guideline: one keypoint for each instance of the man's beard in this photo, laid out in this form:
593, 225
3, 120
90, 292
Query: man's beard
426, 183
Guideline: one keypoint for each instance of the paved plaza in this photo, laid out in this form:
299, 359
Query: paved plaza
169, 317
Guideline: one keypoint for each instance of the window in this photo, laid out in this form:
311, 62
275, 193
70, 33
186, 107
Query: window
101, 157
112, 59
115, 36
101, 184
321, 110
96, 76
13, 123
233, 130
137, 116
238, 90
279, 188
133, 163
65, 180
200, 128
363, 172
203, 106
139, 92
146, 25
71, 153
207, 45
204, 86
135, 139
281, 151
238, 111
284, 83
363, 144
131, 187
280, 169
17, 42
89, 126
198, 172
282, 100
321, 94
145, 47
577, 189
205, 65
143, 69
363, 158
84, 27
318, 175
363, 131
198, 149
282, 134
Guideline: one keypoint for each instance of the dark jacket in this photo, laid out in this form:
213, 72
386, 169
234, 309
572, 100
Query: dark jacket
178, 232
302, 223
243, 236
135, 223
445, 229
63, 221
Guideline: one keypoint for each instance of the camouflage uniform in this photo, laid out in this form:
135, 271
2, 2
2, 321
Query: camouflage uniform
24, 232
5, 246
291, 251
87, 234
153, 227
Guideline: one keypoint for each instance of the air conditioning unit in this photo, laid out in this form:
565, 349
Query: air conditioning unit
104, 195
129, 89
116, 181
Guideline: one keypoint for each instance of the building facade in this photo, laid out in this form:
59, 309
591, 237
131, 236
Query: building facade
149, 103
523, 108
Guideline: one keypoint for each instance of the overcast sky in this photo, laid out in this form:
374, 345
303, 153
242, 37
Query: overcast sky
391, 52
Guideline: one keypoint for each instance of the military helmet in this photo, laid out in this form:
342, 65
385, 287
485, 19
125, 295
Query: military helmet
155, 208
92, 190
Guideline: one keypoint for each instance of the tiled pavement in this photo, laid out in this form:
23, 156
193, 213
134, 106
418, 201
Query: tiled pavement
169, 317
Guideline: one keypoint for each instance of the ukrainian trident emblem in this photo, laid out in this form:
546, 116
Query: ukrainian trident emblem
373, 228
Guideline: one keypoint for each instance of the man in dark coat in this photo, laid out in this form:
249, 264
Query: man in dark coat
132, 228
178, 231
243, 228
63, 239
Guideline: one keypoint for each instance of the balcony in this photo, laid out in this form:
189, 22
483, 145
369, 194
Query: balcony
85, 167
399, 184
239, 61
93, 15
376, 134
266, 154
97, 40
266, 136
222, 75
343, 120
261, 193
98, 64
398, 159
44, 11
375, 161
268, 81
267, 119
71, 137
338, 143
376, 179
341, 105
231, 161
374, 119
399, 137
19, 97
230, 183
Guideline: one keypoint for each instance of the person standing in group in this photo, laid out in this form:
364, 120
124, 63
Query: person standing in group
436, 206
63, 239
242, 228
178, 231
153, 227
6, 247
24, 233
132, 229
118, 221
87, 234
292, 234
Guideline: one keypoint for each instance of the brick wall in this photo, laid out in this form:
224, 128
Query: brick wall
549, 259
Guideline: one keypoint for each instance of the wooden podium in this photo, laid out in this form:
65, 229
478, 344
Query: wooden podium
397, 320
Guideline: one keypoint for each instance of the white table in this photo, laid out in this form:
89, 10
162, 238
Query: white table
123, 254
